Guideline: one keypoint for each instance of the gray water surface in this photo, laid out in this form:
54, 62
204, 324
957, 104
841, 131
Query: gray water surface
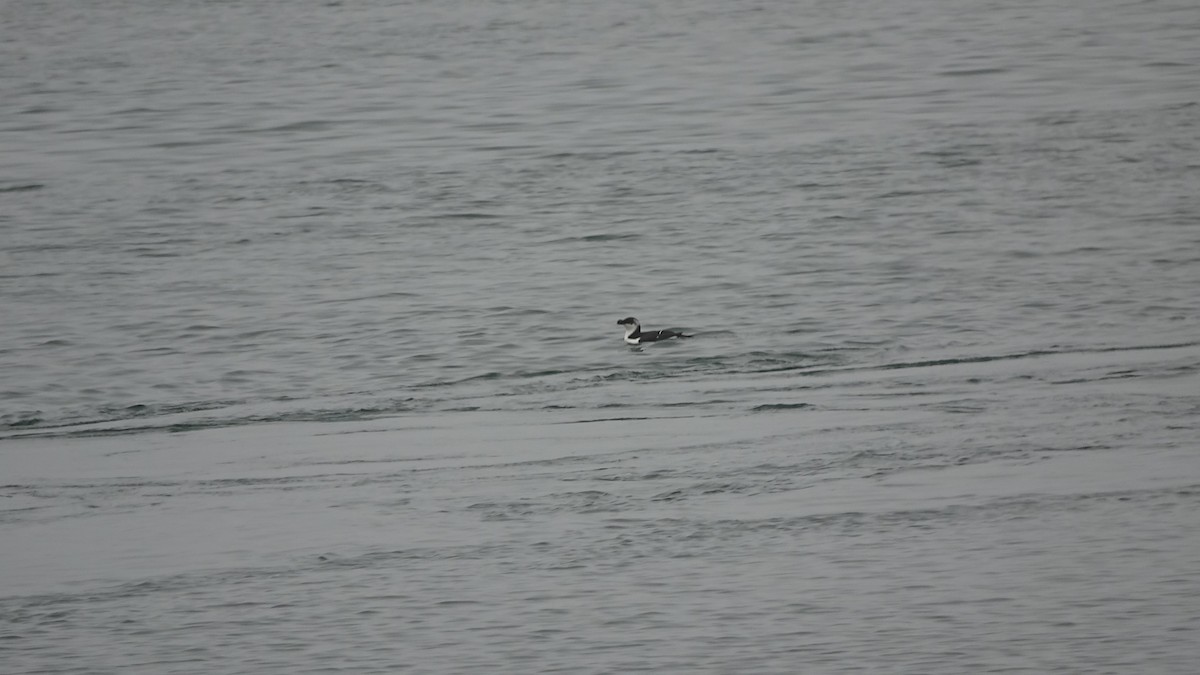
938, 416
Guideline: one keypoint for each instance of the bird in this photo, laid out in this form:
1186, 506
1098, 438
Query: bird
634, 334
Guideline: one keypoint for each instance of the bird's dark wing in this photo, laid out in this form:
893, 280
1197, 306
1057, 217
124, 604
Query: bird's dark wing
656, 335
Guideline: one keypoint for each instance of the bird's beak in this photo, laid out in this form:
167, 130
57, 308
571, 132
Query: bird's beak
620, 323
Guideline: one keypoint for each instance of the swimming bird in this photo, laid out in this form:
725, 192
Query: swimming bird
634, 334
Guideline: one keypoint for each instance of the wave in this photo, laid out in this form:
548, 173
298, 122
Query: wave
698, 385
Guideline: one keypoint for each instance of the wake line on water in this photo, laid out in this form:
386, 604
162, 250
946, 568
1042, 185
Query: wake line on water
184, 417
96, 428
1021, 355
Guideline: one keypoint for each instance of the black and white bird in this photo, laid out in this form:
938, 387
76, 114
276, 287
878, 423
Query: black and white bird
634, 334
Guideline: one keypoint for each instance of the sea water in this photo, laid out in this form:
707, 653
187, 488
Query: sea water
309, 358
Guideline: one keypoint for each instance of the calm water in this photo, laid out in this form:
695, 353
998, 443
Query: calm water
939, 416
